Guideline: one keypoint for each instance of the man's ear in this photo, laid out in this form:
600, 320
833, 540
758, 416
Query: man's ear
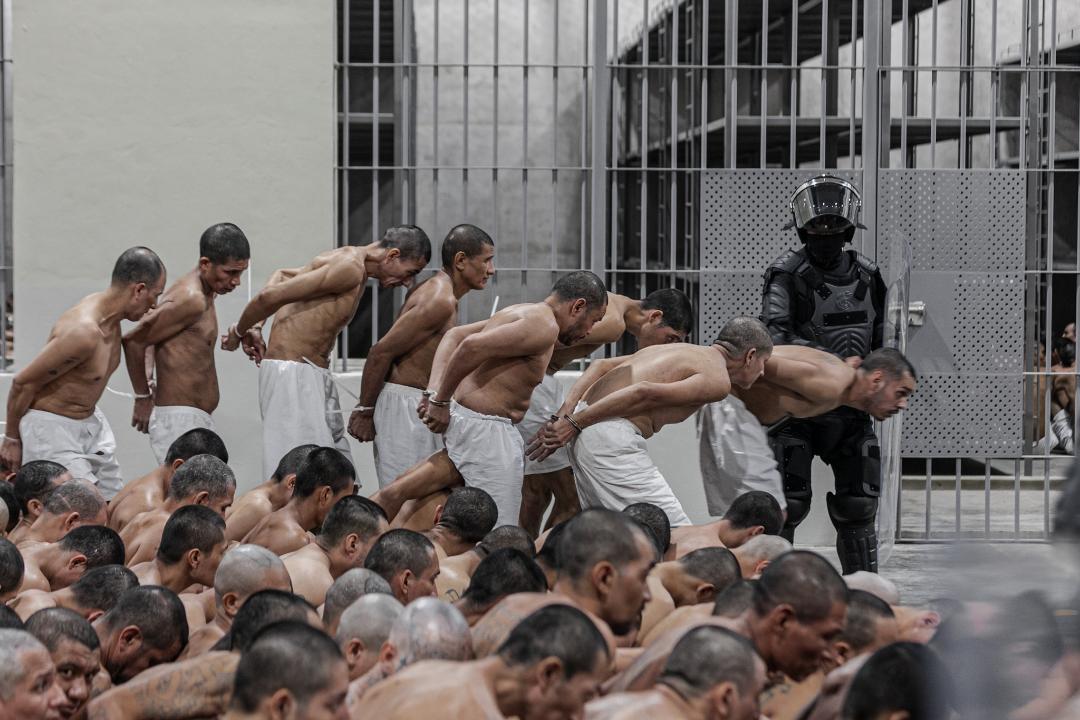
281, 705
193, 558
751, 354
654, 317
577, 307
393, 253
843, 651
760, 567
352, 544
723, 698
404, 579
201, 498
230, 601
131, 635
388, 658
603, 576
353, 650
438, 514
459, 260
77, 561
781, 616
290, 482
176, 464
34, 507
326, 493
705, 592
548, 672
94, 615
754, 531
71, 521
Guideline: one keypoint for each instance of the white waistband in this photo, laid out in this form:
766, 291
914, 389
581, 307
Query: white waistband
403, 390
181, 410
460, 409
64, 419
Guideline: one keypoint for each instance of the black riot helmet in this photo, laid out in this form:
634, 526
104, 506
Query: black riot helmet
825, 213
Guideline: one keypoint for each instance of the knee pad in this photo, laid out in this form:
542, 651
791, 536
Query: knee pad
797, 510
860, 475
793, 458
850, 511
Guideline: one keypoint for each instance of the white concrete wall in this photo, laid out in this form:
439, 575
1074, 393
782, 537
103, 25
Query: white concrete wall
142, 123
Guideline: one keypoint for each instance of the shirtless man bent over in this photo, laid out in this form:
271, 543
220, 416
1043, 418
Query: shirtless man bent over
180, 337
664, 316
799, 382
481, 380
620, 402
805, 382
398, 367
52, 406
311, 305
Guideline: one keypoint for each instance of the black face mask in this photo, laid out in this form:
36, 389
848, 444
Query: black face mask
825, 251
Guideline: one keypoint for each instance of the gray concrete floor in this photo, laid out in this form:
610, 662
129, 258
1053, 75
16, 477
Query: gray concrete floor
971, 569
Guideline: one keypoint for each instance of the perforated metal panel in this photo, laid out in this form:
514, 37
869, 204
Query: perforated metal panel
966, 232
743, 213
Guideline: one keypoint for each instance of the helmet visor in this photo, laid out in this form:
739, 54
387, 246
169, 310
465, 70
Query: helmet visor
826, 205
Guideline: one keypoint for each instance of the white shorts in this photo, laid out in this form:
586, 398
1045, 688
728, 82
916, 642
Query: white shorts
85, 447
489, 453
547, 398
735, 455
613, 469
299, 405
401, 439
168, 422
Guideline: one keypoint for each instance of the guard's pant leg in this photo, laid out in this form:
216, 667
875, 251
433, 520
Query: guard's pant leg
794, 457
853, 509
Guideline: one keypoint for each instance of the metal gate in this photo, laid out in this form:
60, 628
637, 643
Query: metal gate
656, 142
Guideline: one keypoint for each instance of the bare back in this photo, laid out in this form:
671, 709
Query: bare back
279, 533
414, 367
664, 364
799, 381
143, 535
75, 393
247, 511
308, 328
309, 569
503, 385
186, 374
610, 329
146, 493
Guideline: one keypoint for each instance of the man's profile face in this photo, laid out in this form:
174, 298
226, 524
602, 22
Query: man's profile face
76, 667
478, 268
204, 574
752, 368
565, 697
36, 696
395, 272
222, 278
630, 590
891, 396
802, 647
328, 703
584, 320
423, 585
221, 503
747, 706
658, 334
146, 297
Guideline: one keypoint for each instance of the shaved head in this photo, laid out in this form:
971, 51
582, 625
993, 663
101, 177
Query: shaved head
247, 569
429, 629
